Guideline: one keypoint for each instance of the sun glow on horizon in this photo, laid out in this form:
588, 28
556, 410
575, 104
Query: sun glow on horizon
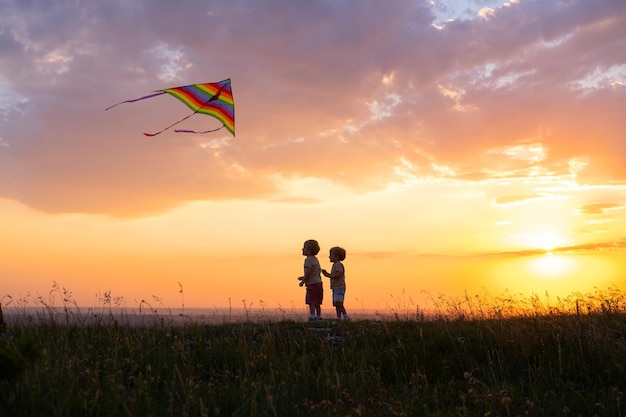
552, 266
547, 241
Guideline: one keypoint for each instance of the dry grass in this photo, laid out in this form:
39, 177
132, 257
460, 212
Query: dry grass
475, 356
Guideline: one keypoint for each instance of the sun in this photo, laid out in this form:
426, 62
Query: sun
551, 266
546, 241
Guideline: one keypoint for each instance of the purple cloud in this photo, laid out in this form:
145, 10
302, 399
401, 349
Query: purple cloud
328, 89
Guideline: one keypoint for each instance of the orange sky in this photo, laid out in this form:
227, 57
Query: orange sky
449, 146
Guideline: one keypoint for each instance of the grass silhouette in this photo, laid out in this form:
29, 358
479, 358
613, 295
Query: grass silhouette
474, 356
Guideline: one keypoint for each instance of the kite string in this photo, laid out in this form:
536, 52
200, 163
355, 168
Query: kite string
172, 125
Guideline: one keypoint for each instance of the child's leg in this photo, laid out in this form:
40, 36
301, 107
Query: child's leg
318, 310
340, 309
340, 306
312, 309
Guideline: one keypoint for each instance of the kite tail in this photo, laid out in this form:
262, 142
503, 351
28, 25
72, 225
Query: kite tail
198, 133
137, 99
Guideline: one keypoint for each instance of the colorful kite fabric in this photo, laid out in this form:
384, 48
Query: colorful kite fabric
213, 99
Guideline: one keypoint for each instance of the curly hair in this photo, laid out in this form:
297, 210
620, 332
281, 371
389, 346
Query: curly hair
312, 246
339, 252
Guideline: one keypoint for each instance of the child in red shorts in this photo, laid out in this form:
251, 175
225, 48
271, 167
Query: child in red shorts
312, 279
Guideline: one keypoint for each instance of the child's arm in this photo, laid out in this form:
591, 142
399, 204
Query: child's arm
307, 273
335, 272
328, 275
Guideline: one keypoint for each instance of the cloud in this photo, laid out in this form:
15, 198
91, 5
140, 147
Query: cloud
298, 200
512, 199
598, 208
522, 198
588, 247
570, 249
322, 89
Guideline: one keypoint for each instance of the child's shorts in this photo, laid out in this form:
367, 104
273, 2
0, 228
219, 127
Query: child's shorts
314, 294
338, 295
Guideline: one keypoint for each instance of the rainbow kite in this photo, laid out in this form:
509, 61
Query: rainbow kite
213, 99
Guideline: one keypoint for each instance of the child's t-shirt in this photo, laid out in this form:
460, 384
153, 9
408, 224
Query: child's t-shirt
315, 277
341, 281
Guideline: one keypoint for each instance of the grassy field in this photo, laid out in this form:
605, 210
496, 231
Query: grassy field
467, 359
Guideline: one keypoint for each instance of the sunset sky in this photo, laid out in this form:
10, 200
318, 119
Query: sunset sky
449, 146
